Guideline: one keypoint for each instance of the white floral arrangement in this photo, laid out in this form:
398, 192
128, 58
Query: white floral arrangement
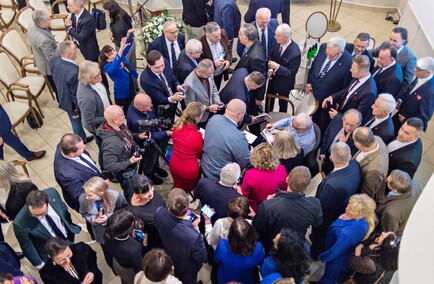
154, 28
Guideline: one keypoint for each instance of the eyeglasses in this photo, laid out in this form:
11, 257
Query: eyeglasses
172, 33
420, 69
97, 76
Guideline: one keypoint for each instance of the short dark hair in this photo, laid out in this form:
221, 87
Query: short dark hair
178, 202
299, 178
157, 265
362, 62
242, 237
119, 225
363, 36
238, 207
153, 56
140, 184
55, 246
68, 143
257, 77
400, 181
104, 55
403, 32
37, 198
387, 46
415, 122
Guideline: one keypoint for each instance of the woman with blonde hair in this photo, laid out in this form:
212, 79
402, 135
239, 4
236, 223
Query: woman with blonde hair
355, 225
288, 150
187, 148
266, 176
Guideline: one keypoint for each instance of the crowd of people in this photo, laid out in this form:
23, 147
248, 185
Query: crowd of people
252, 222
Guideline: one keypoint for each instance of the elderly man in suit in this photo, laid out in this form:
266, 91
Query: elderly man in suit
373, 159
327, 75
418, 100
275, 7
360, 94
170, 44
334, 192
360, 47
228, 16
44, 216
82, 28
159, 82
43, 44
216, 47
388, 74
405, 152
380, 122
283, 66
65, 75
201, 88
188, 59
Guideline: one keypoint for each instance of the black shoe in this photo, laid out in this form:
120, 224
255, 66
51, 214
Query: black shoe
156, 180
161, 172
231, 70
234, 59
19, 254
178, 112
89, 139
36, 155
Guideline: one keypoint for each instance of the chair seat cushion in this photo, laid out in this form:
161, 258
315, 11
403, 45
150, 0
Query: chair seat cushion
35, 83
57, 24
16, 111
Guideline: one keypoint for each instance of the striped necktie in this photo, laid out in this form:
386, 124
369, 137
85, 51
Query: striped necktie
325, 70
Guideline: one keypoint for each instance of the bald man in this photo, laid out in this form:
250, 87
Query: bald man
224, 143
141, 109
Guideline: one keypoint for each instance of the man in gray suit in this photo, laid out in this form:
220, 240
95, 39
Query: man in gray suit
202, 89
43, 44
373, 159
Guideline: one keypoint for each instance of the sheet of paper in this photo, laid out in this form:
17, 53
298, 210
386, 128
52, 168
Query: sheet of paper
249, 136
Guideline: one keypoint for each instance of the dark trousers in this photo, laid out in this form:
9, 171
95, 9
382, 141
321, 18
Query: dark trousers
56, 8
286, 12
77, 127
12, 141
98, 142
283, 105
124, 103
124, 179
218, 80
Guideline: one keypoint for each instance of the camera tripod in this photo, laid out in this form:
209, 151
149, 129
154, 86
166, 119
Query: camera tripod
149, 143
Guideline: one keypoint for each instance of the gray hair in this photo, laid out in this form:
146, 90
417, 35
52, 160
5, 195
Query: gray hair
426, 63
86, 70
353, 111
250, 31
65, 47
211, 27
193, 46
263, 10
167, 24
388, 102
230, 174
257, 78
286, 30
78, 2
338, 42
304, 120
39, 17
401, 181
205, 65
341, 153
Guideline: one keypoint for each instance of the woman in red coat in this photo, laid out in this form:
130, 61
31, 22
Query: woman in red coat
187, 148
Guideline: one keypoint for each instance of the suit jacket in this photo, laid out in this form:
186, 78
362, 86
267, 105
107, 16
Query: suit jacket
206, 50
91, 107
271, 30
419, 103
84, 261
44, 47
393, 211
71, 176
65, 76
407, 61
390, 80
385, 130
333, 80
228, 16
159, 44
185, 66
194, 12
188, 251
32, 235
84, 31
350, 48
361, 99
374, 171
407, 158
196, 93
275, 6
9, 261
283, 79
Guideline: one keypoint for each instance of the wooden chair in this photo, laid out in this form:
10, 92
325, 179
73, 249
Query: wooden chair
308, 104
8, 12
24, 18
17, 112
57, 25
313, 185
275, 116
22, 164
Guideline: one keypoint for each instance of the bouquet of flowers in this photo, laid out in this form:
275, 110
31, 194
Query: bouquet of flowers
154, 28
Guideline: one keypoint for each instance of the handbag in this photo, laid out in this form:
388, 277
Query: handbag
31, 120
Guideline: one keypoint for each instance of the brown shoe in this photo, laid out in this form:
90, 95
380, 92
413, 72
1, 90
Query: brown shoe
37, 155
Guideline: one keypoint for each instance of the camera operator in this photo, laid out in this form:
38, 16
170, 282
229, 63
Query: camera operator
141, 110
118, 147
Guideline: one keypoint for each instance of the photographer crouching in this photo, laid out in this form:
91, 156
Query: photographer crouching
140, 118
118, 146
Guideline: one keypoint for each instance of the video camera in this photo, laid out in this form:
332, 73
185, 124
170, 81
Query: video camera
159, 122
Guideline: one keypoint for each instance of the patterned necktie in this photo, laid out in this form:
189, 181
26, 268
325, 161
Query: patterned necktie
412, 85
168, 90
280, 50
54, 227
325, 70
347, 96
174, 61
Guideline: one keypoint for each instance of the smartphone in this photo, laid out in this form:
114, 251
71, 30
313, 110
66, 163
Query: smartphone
191, 215
222, 106
185, 90
130, 37
138, 235
101, 212
207, 211
222, 55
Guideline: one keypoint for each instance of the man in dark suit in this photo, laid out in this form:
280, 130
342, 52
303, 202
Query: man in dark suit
73, 167
158, 81
266, 27
334, 192
327, 75
44, 217
283, 66
275, 7
217, 48
360, 94
418, 101
228, 16
181, 238
170, 44
388, 73
82, 28
405, 152
340, 129
194, 12
188, 59
360, 47
380, 122
65, 76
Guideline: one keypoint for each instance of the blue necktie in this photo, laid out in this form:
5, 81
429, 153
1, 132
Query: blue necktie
92, 166
174, 61
325, 70
54, 227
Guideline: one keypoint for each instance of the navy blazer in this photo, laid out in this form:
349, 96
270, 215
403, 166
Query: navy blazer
419, 103
71, 176
160, 44
272, 26
275, 6
228, 16
194, 12
85, 33
334, 80
65, 76
390, 80
407, 158
185, 66
385, 130
236, 88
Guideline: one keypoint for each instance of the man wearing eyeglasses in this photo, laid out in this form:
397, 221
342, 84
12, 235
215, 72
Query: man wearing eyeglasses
45, 216
188, 59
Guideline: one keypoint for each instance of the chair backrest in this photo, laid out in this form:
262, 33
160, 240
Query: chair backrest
14, 45
313, 185
273, 96
25, 18
8, 4
308, 104
8, 72
38, 5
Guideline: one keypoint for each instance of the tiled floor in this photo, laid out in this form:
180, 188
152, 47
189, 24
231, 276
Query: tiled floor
56, 123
